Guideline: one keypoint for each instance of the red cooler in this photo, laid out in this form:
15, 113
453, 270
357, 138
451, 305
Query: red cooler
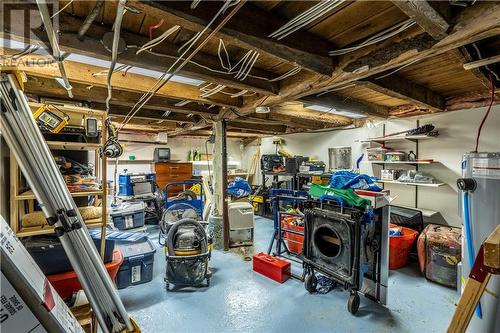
272, 267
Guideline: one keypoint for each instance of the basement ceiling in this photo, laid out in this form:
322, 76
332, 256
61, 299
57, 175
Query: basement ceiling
419, 67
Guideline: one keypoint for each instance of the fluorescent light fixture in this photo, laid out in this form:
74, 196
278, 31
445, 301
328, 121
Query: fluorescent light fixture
103, 63
349, 114
332, 110
320, 108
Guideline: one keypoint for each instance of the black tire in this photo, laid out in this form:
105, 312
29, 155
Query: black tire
353, 303
310, 283
208, 282
168, 286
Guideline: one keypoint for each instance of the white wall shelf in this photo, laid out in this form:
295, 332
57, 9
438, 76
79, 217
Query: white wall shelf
399, 138
400, 162
414, 184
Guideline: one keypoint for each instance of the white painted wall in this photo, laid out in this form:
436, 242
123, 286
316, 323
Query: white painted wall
457, 135
179, 148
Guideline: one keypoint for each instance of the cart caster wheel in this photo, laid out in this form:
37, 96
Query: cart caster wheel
167, 286
353, 303
208, 282
310, 283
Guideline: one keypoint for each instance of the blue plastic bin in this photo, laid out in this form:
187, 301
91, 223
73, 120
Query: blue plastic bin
128, 215
137, 266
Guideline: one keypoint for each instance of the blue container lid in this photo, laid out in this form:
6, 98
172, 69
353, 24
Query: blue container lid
131, 249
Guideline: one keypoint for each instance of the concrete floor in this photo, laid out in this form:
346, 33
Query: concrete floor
240, 300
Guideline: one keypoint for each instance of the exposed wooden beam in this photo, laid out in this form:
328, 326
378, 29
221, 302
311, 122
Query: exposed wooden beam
398, 87
341, 103
230, 134
45, 87
145, 114
473, 24
197, 68
425, 16
295, 111
465, 56
145, 123
482, 62
85, 74
263, 128
249, 29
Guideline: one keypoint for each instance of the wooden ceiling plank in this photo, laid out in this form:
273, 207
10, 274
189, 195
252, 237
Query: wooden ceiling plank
264, 128
85, 74
399, 87
425, 16
44, 87
93, 47
245, 31
473, 24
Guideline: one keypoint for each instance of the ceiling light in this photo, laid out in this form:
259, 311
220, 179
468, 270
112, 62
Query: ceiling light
320, 108
262, 109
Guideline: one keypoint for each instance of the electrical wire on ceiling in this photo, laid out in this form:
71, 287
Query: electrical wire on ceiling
377, 38
170, 72
60, 10
183, 102
120, 10
312, 14
481, 57
117, 69
487, 113
208, 91
194, 4
289, 73
158, 39
398, 69
351, 85
52, 36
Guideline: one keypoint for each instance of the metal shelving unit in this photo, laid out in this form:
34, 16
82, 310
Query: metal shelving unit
408, 138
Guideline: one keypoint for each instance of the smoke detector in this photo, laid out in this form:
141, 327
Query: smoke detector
262, 109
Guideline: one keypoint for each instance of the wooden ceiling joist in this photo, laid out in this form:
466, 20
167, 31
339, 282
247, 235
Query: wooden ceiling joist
262, 128
168, 53
473, 24
398, 87
85, 74
249, 29
46, 87
425, 16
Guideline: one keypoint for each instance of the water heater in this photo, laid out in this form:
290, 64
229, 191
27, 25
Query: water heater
479, 191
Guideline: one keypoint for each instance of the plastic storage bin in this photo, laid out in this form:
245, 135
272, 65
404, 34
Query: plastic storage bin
376, 154
128, 215
67, 283
395, 156
137, 267
48, 253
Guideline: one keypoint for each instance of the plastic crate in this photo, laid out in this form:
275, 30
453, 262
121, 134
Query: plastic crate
137, 266
48, 253
128, 215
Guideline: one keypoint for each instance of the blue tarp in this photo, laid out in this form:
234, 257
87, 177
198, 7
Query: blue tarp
239, 187
348, 179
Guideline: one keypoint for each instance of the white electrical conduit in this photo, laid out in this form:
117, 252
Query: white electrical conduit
158, 40
306, 16
51, 34
120, 10
166, 76
312, 14
293, 71
190, 41
381, 36
209, 92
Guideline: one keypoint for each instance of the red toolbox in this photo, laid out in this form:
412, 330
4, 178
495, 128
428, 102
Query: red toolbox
272, 267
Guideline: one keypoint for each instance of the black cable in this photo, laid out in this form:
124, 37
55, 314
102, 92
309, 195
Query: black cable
487, 112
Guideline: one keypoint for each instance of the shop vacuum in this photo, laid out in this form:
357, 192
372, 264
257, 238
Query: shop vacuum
187, 247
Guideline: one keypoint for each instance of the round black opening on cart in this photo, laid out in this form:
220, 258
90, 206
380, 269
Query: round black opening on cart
327, 241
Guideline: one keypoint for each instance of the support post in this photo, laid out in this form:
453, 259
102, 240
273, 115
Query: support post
225, 212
